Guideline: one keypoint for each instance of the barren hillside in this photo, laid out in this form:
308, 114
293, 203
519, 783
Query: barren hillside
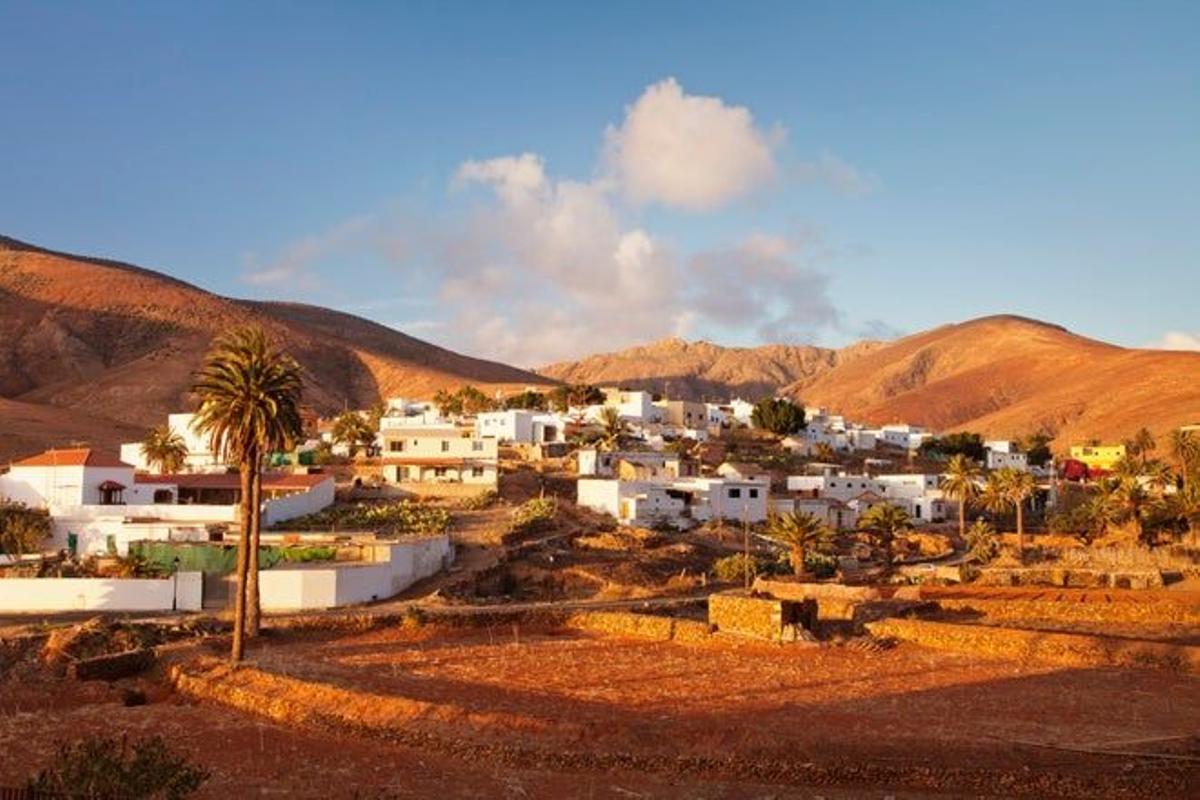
116, 345
699, 370
1010, 376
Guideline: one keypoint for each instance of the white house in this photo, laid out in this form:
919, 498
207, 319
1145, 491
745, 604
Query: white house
632, 404
97, 503
741, 411
200, 456
606, 464
402, 413
520, 426
920, 495
680, 502
834, 513
908, 437
1004, 455
439, 454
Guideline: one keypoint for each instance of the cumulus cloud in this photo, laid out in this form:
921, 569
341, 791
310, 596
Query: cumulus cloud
688, 151
530, 267
1178, 340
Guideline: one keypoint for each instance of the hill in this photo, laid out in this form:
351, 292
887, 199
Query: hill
699, 370
90, 347
1008, 376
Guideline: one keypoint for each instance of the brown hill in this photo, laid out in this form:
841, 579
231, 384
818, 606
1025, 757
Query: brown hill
116, 345
698, 370
1010, 376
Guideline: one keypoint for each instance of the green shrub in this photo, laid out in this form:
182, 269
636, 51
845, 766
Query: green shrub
304, 555
395, 518
821, 565
732, 569
533, 515
100, 766
483, 500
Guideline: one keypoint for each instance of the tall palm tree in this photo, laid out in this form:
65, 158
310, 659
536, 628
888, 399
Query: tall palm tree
1017, 486
249, 406
961, 484
164, 450
1141, 445
801, 532
1159, 475
1129, 501
884, 523
1185, 446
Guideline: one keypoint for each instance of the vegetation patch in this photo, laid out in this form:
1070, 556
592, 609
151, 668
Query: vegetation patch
394, 518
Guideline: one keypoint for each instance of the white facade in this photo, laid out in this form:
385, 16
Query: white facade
632, 404
1004, 455
681, 502
520, 426
908, 437
741, 411
200, 456
919, 495
439, 454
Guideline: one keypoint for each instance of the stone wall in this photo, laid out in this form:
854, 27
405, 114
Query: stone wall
760, 616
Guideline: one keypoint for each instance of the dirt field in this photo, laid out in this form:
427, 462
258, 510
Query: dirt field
904, 718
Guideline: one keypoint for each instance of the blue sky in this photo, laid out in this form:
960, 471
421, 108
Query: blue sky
534, 181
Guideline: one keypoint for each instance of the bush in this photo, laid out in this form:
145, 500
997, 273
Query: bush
732, 569
396, 518
982, 543
22, 530
534, 514
820, 565
100, 766
481, 501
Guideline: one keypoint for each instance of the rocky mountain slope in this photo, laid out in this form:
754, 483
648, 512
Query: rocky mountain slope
90, 346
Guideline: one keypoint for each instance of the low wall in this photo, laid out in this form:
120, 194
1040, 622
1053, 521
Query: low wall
51, 595
395, 567
761, 616
638, 626
1070, 649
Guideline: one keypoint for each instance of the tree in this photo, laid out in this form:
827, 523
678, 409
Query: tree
1185, 446
982, 543
22, 530
961, 484
165, 450
884, 523
824, 452
777, 415
249, 406
101, 766
1128, 501
528, 399
614, 427
1037, 449
1140, 446
953, 444
1016, 486
801, 532
352, 429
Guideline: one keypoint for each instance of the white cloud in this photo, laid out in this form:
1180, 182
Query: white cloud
1178, 340
293, 269
840, 176
688, 151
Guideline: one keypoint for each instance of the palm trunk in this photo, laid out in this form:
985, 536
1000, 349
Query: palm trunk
243, 567
253, 607
798, 562
962, 518
1021, 528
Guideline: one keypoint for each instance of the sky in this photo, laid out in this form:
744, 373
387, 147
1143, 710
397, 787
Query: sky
535, 181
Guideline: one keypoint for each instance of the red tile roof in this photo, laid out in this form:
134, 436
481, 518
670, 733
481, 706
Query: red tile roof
75, 457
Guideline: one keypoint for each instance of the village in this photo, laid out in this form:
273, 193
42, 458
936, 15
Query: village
711, 529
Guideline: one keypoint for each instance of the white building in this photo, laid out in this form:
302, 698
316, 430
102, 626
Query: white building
741, 411
920, 495
97, 503
439, 454
1004, 455
520, 426
681, 502
632, 404
402, 413
608, 464
200, 456
908, 437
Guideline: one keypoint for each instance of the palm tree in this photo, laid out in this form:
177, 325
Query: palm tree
823, 451
1159, 474
1141, 445
164, 450
961, 484
249, 406
1185, 446
1012, 487
352, 429
614, 427
884, 523
982, 544
801, 532
1130, 501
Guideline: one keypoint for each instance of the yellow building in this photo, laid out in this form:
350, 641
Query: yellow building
1100, 456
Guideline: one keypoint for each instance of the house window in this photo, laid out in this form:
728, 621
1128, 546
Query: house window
396, 446
477, 446
477, 472
754, 494
735, 493
439, 472
445, 446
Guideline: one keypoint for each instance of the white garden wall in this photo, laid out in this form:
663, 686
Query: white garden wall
51, 595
